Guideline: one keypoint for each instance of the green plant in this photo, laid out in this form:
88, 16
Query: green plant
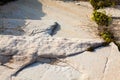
101, 18
103, 22
107, 36
97, 4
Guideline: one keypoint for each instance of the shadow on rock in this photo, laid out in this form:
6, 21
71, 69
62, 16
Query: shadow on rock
22, 9
55, 29
14, 14
12, 27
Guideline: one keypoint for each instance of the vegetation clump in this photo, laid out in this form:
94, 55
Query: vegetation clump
101, 18
103, 21
107, 36
97, 4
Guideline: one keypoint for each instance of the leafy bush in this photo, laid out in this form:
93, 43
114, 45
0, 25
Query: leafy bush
97, 4
101, 18
107, 36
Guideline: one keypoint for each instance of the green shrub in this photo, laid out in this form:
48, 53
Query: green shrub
107, 36
97, 4
101, 18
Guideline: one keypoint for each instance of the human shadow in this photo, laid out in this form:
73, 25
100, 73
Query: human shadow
13, 16
55, 29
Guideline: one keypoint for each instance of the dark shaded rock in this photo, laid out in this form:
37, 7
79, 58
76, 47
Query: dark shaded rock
2, 2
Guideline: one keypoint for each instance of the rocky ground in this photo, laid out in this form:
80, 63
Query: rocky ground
49, 40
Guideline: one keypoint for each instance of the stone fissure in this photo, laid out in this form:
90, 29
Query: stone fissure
32, 62
68, 64
106, 65
104, 70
